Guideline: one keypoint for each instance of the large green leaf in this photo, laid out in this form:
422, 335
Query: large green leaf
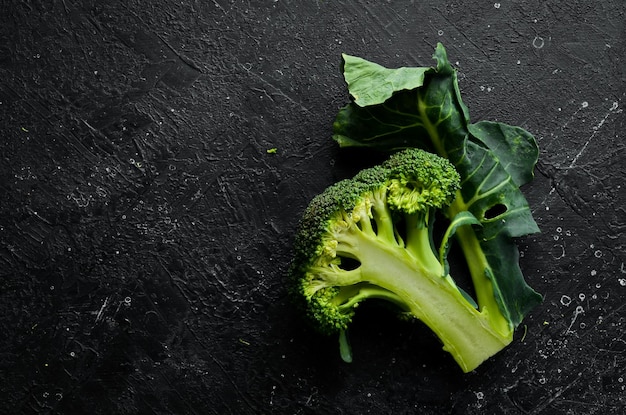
422, 107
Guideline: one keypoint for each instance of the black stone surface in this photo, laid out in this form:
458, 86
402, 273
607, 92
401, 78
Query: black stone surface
145, 230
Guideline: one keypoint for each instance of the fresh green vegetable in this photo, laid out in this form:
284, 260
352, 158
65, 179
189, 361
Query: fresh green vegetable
372, 236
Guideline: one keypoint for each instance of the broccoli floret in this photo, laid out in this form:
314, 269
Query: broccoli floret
372, 237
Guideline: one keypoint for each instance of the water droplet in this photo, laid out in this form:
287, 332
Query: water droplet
597, 254
622, 282
538, 42
496, 5
584, 104
566, 300
558, 251
440, 32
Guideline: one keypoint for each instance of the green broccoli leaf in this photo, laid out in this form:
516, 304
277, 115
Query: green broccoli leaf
422, 107
515, 147
490, 194
372, 84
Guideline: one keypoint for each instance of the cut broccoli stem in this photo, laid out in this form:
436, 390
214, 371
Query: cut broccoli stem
381, 214
364, 291
345, 350
419, 243
367, 291
466, 333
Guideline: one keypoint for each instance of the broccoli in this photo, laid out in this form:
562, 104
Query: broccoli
371, 237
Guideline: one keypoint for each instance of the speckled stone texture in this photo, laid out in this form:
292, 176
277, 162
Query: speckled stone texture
145, 229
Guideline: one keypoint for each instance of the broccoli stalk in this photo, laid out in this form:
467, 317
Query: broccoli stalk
372, 237
414, 274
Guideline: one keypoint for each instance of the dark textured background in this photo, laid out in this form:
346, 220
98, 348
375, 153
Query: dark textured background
145, 230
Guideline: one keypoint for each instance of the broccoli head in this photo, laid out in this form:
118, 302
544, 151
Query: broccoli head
371, 237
